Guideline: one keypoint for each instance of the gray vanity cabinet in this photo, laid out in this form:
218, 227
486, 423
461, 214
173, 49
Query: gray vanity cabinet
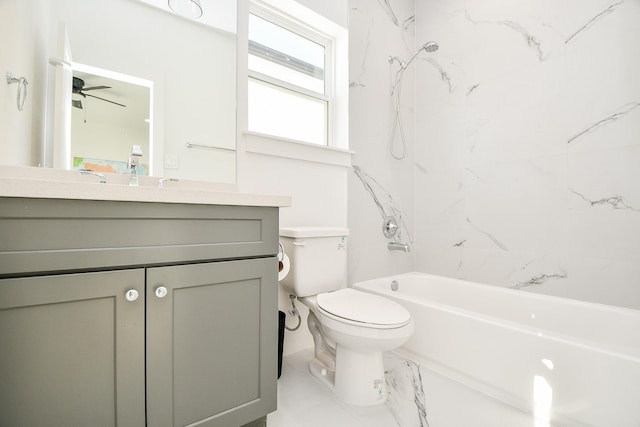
206, 325
134, 314
72, 350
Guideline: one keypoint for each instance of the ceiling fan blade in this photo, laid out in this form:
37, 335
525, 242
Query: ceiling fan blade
95, 88
76, 103
102, 99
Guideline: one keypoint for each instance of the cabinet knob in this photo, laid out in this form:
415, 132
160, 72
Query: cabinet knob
161, 291
131, 295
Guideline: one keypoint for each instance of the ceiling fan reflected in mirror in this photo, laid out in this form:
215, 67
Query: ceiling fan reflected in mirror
78, 88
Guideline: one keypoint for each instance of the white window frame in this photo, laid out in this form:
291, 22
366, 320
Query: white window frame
295, 26
254, 143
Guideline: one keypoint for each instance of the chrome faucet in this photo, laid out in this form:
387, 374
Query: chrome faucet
163, 180
103, 180
133, 171
133, 165
395, 246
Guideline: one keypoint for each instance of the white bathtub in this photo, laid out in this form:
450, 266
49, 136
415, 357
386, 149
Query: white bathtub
570, 362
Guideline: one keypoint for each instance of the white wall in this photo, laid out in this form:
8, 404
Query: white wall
528, 146
23, 44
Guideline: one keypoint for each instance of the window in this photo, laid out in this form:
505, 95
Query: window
290, 87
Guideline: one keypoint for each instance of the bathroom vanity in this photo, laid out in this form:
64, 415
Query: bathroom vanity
132, 313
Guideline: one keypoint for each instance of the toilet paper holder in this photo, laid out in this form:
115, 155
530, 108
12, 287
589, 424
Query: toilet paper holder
283, 263
280, 252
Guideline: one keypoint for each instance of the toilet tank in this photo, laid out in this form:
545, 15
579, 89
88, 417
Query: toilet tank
318, 257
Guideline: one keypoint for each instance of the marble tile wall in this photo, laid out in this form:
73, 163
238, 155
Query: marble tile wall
523, 163
527, 150
378, 185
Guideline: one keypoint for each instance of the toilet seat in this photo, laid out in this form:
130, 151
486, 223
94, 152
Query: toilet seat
362, 309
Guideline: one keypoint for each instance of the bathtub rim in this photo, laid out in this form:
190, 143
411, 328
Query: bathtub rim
509, 291
629, 353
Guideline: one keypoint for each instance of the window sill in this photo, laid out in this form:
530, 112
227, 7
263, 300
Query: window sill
290, 149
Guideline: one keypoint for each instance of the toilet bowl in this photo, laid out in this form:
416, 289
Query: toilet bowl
357, 327
350, 328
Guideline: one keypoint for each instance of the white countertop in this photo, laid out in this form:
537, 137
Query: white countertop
19, 181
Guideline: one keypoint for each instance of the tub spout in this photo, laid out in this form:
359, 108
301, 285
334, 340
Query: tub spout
395, 246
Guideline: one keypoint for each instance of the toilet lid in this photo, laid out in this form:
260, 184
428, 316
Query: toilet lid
363, 307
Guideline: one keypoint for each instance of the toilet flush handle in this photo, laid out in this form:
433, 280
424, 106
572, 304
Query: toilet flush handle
303, 243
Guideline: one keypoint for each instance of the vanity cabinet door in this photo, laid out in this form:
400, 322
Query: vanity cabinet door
61, 338
211, 343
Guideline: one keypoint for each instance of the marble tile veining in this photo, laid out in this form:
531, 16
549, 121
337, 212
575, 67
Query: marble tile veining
497, 242
622, 112
444, 76
386, 6
538, 280
406, 391
530, 39
384, 201
593, 20
615, 201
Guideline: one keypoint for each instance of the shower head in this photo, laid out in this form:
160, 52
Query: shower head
427, 47
430, 46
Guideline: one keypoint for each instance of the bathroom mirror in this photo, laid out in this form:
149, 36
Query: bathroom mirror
111, 113
191, 66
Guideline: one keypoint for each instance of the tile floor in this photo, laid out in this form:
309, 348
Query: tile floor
418, 397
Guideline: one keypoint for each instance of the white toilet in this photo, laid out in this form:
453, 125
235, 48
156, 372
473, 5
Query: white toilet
350, 328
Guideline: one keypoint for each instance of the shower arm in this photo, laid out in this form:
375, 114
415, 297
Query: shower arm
411, 58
